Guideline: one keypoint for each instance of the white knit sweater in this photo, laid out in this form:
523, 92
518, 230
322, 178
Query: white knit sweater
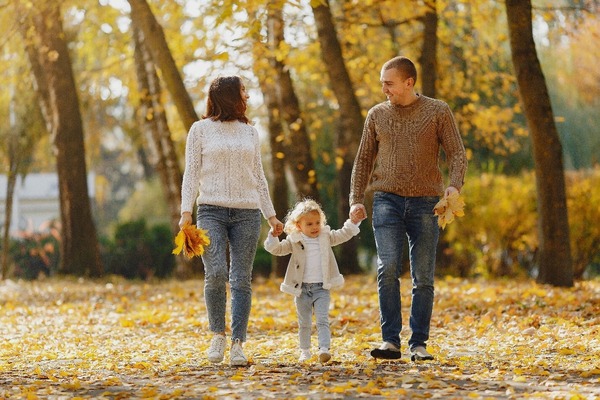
223, 168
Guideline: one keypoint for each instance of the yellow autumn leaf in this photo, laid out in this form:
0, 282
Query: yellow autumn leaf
566, 352
338, 389
237, 377
179, 242
448, 208
112, 381
73, 385
126, 323
587, 374
191, 240
142, 365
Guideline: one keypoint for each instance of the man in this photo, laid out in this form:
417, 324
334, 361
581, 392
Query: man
398, 159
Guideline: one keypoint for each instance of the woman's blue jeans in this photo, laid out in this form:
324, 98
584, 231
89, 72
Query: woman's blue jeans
394, 217
313, 296
240, 228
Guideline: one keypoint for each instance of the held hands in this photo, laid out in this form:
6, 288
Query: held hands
276, 226
357, 213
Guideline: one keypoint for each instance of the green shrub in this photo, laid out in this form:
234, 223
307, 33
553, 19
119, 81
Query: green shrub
262, 262
139, 252
160, 240
36, 253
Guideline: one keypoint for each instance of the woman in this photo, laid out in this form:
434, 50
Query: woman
224, 175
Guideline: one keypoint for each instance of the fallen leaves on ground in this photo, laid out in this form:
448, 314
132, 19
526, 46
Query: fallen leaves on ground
119, 339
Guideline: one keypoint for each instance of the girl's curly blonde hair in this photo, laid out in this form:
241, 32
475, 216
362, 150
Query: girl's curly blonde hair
301, 209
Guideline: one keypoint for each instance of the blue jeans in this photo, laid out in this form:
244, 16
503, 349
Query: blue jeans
240, 228
393, 217
313, 296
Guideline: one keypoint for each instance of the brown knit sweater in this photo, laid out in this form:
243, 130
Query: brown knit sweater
400, 150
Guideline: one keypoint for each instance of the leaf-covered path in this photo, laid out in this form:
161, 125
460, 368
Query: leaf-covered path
118, 339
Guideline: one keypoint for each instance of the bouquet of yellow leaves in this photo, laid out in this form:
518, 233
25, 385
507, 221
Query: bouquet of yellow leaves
449, 207
191, 241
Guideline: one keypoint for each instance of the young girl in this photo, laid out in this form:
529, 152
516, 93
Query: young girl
312, 269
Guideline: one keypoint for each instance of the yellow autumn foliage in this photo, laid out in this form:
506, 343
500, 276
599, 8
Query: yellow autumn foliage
191, 240
499, 234
449, 207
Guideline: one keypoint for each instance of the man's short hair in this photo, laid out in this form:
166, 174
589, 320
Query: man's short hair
404, 65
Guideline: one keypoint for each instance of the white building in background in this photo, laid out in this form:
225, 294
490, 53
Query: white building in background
35, 201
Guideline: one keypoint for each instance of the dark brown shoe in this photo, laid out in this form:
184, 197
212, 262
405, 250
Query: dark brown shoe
387, 351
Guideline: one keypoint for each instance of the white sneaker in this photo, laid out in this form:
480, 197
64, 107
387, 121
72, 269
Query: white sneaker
236, 355
324, 355
216, 351
304, 355
419, 353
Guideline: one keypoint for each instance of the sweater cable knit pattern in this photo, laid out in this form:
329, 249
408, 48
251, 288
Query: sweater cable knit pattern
223, 168
399, 150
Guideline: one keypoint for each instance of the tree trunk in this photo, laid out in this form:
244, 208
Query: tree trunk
298, 155
162, 155
428, 63
555, 263
154, 37
146, 164
264, 70
390, 27
428, 59
51, 63
14, 161
10, 193
280, 187
276, 133
351, 122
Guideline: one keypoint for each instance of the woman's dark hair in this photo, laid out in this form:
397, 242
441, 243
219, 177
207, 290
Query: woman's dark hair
225, 101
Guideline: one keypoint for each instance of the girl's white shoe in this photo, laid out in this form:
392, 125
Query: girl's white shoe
304, 355
324, 355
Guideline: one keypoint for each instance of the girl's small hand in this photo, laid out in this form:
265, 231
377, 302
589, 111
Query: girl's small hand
276, 226
357, 213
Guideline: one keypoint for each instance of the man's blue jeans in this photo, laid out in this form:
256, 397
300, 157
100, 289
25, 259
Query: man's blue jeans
394, 217
240, 228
